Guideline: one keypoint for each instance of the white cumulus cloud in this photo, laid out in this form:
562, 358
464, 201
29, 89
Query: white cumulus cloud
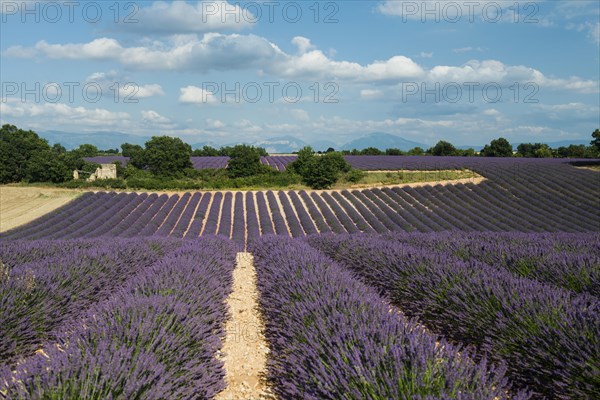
180, 16
196, 95
153, 116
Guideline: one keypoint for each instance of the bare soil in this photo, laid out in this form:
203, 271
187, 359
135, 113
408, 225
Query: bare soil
20, 205
595, 168
245, 348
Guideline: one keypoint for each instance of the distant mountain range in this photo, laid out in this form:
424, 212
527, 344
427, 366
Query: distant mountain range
102, 140
382, 141
281, 145
275, 145
561, 143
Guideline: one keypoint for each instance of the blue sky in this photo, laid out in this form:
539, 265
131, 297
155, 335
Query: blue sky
463, 71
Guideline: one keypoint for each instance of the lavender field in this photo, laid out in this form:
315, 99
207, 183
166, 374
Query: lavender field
517, 195
125, 318
485, 290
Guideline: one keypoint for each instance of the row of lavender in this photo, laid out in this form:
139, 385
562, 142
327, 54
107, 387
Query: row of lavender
333, 337
495, 297
520, 194
244, 216
570, 261
154, 333
124, 319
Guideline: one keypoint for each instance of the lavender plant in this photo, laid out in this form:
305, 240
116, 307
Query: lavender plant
334, 338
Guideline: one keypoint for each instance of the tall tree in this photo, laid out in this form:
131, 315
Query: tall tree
17, 148
244, 161
305, 157
596, 139
167, 156
417, 151
498, 148
87, 150
206, 151
319, 172
443, 148
135, 153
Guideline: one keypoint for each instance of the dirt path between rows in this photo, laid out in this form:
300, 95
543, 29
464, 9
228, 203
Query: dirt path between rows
245, 347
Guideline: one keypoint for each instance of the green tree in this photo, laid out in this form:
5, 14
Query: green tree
26, 156
443, 148
167, 156
544, 151
59, 148
573, 151
46, 166
527, 149
319, 172
87, 150
371, 151
229, 150
498, 148
302, 163
136, 153
322, 173
206, 151
11, 167
338, 161
393, 152
417, 151
244, 161
596, 139
467, 152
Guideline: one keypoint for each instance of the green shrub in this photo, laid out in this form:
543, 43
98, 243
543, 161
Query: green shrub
319, 172
355, 175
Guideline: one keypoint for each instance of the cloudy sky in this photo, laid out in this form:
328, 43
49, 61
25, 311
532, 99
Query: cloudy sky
463, 71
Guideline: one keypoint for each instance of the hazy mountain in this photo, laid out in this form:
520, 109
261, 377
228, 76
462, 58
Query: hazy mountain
323, 145
382, 141
281, 144
202, 144
467, 146
102, 140
275, 145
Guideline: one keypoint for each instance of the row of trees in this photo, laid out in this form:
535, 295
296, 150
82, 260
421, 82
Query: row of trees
170, 157
496, 148
374, 151
24, 156
166, 156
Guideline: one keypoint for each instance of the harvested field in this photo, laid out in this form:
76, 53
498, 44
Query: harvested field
20, 205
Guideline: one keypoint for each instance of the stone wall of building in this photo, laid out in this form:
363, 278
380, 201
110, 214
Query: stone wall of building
105, 171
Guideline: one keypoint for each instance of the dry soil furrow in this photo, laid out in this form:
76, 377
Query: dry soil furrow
293, 210
245, 348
